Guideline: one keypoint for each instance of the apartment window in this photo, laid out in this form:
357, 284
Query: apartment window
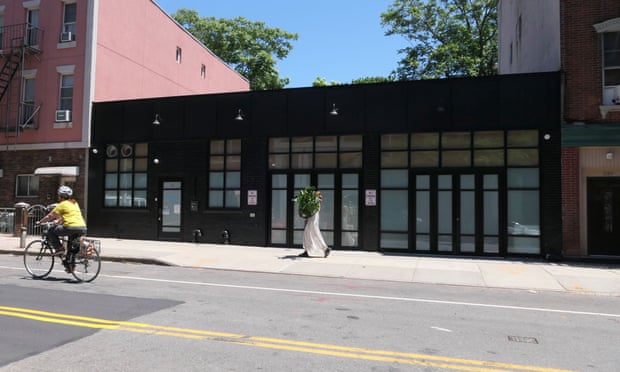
611, 57
609, 32
126, 175
27, 186
66, 92
28, 106
225, 174
203, 71
611, 65
178, 55
69, 22
32, 33
1, 29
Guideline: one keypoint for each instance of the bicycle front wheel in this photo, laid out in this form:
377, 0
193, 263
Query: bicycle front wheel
86, 265
38, 259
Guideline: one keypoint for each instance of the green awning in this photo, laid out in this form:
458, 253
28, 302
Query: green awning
577, 135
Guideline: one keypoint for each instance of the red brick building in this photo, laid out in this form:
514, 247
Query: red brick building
582, 40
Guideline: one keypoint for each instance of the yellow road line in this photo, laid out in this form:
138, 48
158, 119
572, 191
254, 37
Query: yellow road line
274, 343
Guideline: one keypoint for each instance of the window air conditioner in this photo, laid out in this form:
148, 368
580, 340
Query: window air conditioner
616, 99
65, 37
63, 115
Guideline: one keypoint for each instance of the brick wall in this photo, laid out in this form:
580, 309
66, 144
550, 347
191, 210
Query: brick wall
581, 57
14, 163
570, 201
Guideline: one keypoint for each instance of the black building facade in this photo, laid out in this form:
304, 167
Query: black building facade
464, 166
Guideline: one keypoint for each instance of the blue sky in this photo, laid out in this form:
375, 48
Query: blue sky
339, 40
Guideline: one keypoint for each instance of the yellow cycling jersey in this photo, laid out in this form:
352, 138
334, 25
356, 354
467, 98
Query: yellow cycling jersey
70, 212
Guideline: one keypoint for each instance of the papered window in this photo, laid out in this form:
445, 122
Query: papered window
320, 152
225, 174
126, 175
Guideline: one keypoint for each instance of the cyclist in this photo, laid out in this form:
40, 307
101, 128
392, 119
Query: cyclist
68, 218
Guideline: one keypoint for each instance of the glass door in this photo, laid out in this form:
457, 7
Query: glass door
456, 213
170, 211
338, 217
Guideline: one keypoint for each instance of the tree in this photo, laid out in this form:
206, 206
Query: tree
322, 82
249, 47
448, 37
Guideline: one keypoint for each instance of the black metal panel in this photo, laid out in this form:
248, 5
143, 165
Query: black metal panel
137, 121
551, 193
430, 106
172, 119
307, 111
200, 116
475, 104
529, 101
269, 114
348, 102
386, 108
228, 106
107, 121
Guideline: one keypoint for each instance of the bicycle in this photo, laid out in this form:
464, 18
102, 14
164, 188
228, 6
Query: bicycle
82, 259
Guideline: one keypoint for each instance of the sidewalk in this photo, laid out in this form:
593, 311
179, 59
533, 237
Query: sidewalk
478, 272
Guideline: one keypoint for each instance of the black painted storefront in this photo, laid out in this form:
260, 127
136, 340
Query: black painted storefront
173, 202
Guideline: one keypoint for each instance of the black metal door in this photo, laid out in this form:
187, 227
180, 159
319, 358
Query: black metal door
604, 216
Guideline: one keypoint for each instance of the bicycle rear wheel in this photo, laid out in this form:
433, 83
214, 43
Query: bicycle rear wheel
87, 265
38, 259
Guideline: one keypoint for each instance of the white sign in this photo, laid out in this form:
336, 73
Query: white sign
252, 197
371, 198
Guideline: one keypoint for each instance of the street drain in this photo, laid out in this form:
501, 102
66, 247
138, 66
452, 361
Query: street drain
527, 340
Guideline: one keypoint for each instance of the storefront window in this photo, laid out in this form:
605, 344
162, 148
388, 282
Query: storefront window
125, 177
225, 174
523, 210
325, 152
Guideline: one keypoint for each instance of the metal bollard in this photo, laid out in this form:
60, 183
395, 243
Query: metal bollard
226, 236
22, 237
197, 235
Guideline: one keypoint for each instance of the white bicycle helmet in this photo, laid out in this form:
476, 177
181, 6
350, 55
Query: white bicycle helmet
65, 191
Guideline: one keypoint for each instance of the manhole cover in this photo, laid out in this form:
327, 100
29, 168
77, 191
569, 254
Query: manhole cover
527, 340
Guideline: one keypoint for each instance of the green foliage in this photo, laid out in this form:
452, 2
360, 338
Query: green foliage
372, 79
308, 202
251, 48
448, 37
322, 82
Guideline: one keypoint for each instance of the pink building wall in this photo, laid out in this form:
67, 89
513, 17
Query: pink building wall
136, 56
122, 50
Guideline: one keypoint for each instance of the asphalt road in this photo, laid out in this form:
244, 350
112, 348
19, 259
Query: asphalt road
143, 317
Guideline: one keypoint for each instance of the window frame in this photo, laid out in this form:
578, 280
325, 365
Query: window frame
64, 98
115, 155
227, 153
29, 184
69, 25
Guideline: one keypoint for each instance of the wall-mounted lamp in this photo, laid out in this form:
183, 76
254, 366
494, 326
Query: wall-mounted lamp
239, 116
334, 110
609, 155
156, 161
157, 120
95, 151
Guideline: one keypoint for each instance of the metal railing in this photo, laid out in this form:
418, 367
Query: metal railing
20, 35
7, 220
35, 213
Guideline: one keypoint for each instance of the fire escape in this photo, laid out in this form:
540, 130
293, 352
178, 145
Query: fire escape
17, 112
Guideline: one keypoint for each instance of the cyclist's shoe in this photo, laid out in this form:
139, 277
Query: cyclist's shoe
59, 252
68, 267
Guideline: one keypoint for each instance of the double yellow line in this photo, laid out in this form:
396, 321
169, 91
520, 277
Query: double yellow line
274, 343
